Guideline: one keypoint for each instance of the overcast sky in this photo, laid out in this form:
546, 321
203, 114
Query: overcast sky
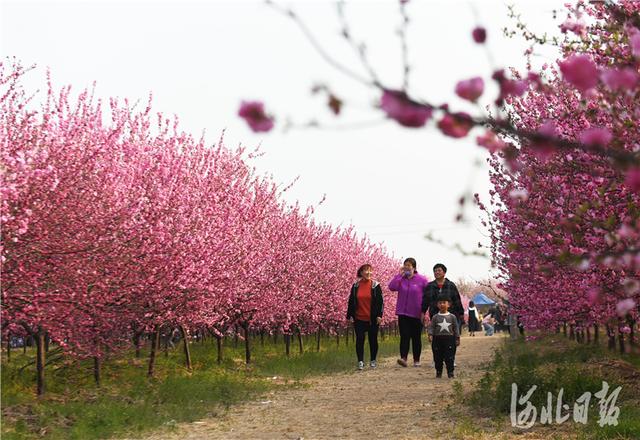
200, 59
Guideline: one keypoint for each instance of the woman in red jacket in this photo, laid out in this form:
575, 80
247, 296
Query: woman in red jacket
365, 307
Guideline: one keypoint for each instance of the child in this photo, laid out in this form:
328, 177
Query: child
444, 336
488, 322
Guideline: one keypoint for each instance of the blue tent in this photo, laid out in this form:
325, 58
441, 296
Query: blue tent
482, 300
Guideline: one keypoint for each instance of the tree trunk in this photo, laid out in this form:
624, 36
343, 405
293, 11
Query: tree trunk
620, 339
165, 345
262, 338
219, 347
8, 347
513, 327
136, 342
572, 334
185, 341
155, 344
275, 337
564, 328
96, 370
47, 340
40, 361
235, 336
579, 336
300, 345
611, 343
247, 348
632, 324
596, 333
318, 341
287, 344
588, 335
347, 337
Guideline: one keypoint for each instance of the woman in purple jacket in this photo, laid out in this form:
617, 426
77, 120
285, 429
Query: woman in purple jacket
409, 285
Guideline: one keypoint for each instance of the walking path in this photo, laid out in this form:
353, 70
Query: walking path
389, 402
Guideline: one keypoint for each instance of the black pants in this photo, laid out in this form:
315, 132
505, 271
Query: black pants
444, 349
410, 331
362, 327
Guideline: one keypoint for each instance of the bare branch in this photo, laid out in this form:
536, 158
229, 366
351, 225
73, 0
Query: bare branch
359, 48
402, 32
318, 47
314, 124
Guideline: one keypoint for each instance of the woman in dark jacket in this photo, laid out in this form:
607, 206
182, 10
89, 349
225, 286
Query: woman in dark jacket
365, 307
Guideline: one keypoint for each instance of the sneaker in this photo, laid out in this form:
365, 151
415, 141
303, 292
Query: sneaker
455, 365
438, 375
402, 362
416, 364
450, 375
373, 364
360, 365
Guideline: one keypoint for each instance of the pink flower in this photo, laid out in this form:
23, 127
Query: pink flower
479, 35
577, 26
633, 179
626, 231
631, 286
253, 113
491, 142
615, 79
580, 71
596, 137
544, 147
534, 78
634, 41
456, 125
626, 329
593, 295
470, 89
399, 107
511, 87
508, 86
574, 250
519, 194
625, 306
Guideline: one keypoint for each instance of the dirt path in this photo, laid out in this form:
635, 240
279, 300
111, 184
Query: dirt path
388, 402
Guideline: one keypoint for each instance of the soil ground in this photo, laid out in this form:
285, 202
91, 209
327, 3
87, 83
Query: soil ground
389, 402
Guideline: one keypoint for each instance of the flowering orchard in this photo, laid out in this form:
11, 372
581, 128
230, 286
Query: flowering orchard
566, 221
564, 214
117, 225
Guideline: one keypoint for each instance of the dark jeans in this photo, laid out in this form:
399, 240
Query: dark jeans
362, 327
444, 350
410, 331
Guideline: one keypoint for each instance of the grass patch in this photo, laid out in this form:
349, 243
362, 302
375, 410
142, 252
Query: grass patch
128, 403
553, 363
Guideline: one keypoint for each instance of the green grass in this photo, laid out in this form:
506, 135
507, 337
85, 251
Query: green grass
554, 362
129, 403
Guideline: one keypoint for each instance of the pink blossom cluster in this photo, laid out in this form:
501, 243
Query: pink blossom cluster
116, 225
565, 221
